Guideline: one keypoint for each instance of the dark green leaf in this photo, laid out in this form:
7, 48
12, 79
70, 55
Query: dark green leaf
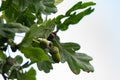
9, 29
58, 19
27, 18
11, 13
75, 7
2, 55
41, 31
30, 75
35, 54
46, 66
5, 4
75, 18
22, 5
2, 60
47, 6
76, 61
79, 5
87, 4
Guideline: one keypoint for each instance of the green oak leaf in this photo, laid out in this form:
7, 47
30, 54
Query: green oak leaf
78, 6
2, 55
75, 18
76, 61
46, 66
30, 75
38, 31
5, 4
74, 15
9, 29
34, 53
44, 6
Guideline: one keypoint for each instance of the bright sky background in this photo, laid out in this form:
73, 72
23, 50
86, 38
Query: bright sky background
99, 36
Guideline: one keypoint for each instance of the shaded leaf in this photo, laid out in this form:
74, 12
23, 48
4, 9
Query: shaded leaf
5, 4
18, 59
22, 4
46, 66
34, 53
11, 13
2, 55
45, 6
26, 18
9, 29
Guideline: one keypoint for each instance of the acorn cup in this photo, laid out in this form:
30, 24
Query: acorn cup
54, 51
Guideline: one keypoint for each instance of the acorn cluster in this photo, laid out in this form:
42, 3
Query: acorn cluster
46, 44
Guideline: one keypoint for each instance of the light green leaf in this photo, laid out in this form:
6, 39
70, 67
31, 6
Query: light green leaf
58, 2
34, 53
38, 31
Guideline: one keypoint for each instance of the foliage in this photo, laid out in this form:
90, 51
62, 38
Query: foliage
41, 44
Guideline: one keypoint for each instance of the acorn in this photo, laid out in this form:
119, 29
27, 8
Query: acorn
51, 36
44, 43
54, 51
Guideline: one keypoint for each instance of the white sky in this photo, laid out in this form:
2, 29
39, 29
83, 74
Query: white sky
98, 35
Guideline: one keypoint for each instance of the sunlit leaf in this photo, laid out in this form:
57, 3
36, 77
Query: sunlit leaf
41, 31
58, 2
34, 53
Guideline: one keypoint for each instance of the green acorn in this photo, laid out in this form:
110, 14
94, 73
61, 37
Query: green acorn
44, 43
54, 51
